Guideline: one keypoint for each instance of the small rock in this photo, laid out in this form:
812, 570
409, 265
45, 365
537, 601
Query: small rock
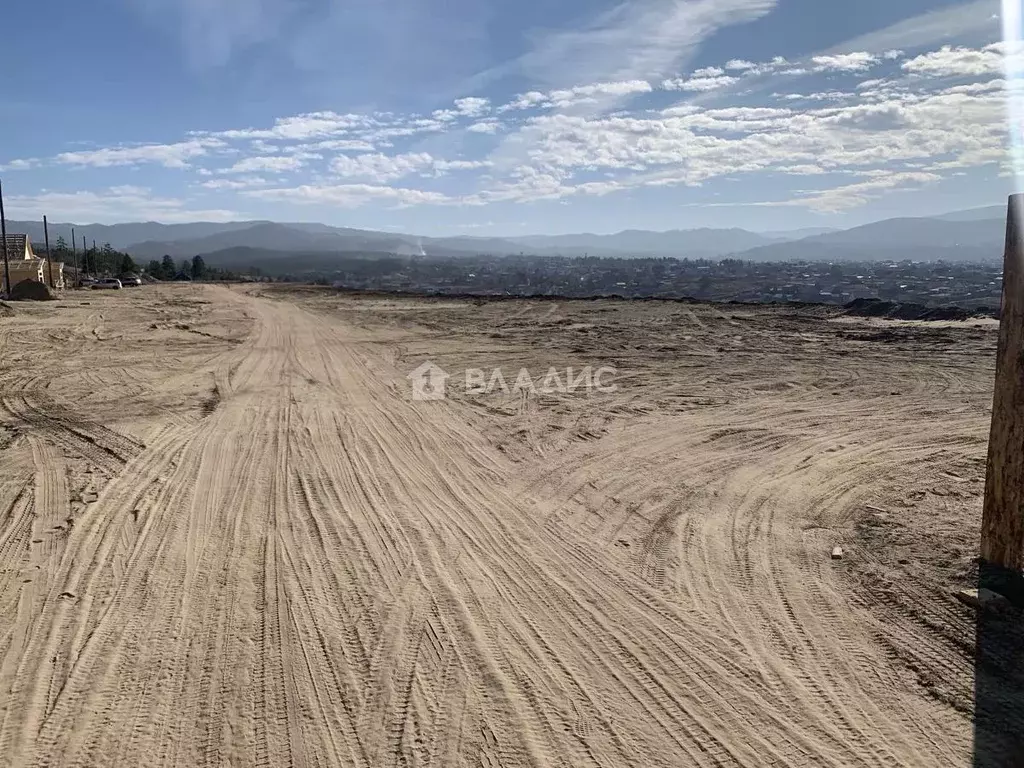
837, 553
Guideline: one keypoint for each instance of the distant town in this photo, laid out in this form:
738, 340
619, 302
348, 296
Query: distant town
968, 285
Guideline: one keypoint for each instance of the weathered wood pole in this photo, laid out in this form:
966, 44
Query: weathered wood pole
1002, 525
49, 256
3, 234
74, 252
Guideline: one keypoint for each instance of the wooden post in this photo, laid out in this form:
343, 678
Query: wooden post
1002, 525
3, 233
74, 252
49, 256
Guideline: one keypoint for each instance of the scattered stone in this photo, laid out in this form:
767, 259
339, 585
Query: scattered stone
982, 598
837, 553
90, 497
903, 561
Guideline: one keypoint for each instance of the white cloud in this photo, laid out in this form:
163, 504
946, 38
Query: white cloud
211, 32
272, 164
381, 168
232, 184
167, 155
860, 61
472, 106
443, 166
638, 40
525, 101
312, 125
349, 195
848, 196
337, 145
485, 126
699, 84
112, 205
567, 97
22, 164
956, 62
739, 64
954, 21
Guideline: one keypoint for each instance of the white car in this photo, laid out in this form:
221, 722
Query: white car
108, 282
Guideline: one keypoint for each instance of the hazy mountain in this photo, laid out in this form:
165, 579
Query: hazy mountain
275, 237
692, 243
976, 214
970, 234
921, 239
798, 234
121, 236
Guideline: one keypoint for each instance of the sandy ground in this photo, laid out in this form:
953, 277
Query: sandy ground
229, 535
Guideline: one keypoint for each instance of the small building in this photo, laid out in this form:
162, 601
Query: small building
25, 265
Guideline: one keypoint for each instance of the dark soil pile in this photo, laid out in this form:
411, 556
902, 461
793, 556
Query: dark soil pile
31, 290
893, 310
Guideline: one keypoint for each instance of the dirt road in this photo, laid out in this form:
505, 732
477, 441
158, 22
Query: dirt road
229, 537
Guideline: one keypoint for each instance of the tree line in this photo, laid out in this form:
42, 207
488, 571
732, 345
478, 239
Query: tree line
165, 269
102, 260
106, 260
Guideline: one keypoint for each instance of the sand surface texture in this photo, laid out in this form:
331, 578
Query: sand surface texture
229, 536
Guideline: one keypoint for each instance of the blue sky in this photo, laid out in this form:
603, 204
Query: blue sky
483, 117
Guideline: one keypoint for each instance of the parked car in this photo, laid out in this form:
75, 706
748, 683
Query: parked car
87, 281
107, 282
130, 281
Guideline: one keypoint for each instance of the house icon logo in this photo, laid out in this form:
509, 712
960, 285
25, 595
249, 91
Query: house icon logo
428, 382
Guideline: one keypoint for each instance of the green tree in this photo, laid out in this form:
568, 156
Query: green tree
128, 265
105, 259
154, 269
167, 268
185, 268
198, 267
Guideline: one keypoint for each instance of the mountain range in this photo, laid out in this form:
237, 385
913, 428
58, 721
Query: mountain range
969, 235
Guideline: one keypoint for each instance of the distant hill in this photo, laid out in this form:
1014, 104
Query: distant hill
960, 235
918, 239
274, 237
692, 243
975, 214
121, 236
799, 234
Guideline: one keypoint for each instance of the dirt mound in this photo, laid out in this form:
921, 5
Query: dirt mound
31, 290
894, 310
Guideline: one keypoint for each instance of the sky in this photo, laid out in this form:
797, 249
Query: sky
502, 117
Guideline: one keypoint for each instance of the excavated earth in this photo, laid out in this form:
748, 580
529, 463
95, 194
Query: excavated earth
230, 535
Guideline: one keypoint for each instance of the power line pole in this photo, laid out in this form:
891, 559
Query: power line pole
49, 256
1002, 525
74, 253
3, 233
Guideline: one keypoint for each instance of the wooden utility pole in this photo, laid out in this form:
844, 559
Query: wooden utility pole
49, 256
3, 233
1002, 525
74, 252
